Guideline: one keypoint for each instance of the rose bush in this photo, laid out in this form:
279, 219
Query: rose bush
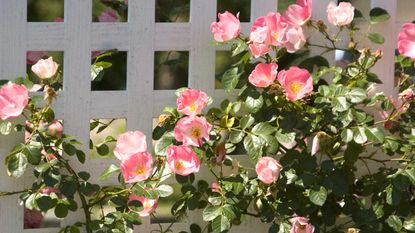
326, 154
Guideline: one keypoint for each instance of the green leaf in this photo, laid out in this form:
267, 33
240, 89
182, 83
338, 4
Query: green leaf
211, 212
236, 136
394, 222
81, 156
287, 140
409, 224
16, 164
5, 127
347, 135
359, 135
97, 72
253, 145
378, 15
103, 149
357, 95
375, 135
263, 128
61, 210
340, 104
220, 224
238, 47
33, 154
165, 142
246, 121
230, 79
376, 38
69, 148
318, 197
45, 203
164, 190
253, 104
84, 175
410, 173
110, 170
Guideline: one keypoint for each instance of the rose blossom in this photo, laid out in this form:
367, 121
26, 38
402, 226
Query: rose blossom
268, 29
108, 16
294, 39
55, 128
45, 68
149, 205
258, 49
263, 75
406, 40
296, 82
215, 187
191, 130
137, 167
407, 95
298, 14
33, 56
301, 225
13, 99
227, 28
340, 15
191, 102
129, 143
268, 170
182, 160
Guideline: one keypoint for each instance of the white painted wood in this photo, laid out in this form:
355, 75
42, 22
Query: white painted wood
140, 37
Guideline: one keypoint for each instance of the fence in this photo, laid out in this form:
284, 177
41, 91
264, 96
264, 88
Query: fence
140, 37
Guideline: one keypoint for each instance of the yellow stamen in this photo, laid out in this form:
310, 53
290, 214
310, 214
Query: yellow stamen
178, 165
275, 35
140, 171
195, 132
296, 87
192, 107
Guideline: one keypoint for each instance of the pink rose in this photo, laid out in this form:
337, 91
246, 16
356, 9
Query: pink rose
258, 49
268, 170
45, 68
407, 95
33, 56
137, 167
191, 102
215, 187
296, 82
149, 205
49, 190
182, 160
340, 15
191, 130
294, 39
298, 14
263, 75
108, 16
268, 29
56, 128
227, 28
129, 143
406, 40
301, 225
13, 99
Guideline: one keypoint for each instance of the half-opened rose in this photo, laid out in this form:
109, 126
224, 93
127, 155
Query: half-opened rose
129, 143
45, 68
296, 82
182, 160
294, 39
55, 128
340, 15
13, 99
301, 225
299, 13
268, 170
406, 40
264, 74
227, 28
149, 205
191, 102
191, 130
137, 167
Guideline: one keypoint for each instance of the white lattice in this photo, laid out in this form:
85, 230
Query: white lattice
138, 104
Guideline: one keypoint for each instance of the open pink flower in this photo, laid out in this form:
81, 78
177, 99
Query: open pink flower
129, 143
296, 82
13, 99
301, 225
263, 75
406, 40
33, 56
294, 39
298, 14
45, 68
191, 130
182, 160
268, 29
191, 102
108, 16
268, 170
149, 205
56, 128
137, 167
227, 28
340, 15
258, 49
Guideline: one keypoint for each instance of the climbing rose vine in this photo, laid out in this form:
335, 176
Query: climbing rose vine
327, 153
